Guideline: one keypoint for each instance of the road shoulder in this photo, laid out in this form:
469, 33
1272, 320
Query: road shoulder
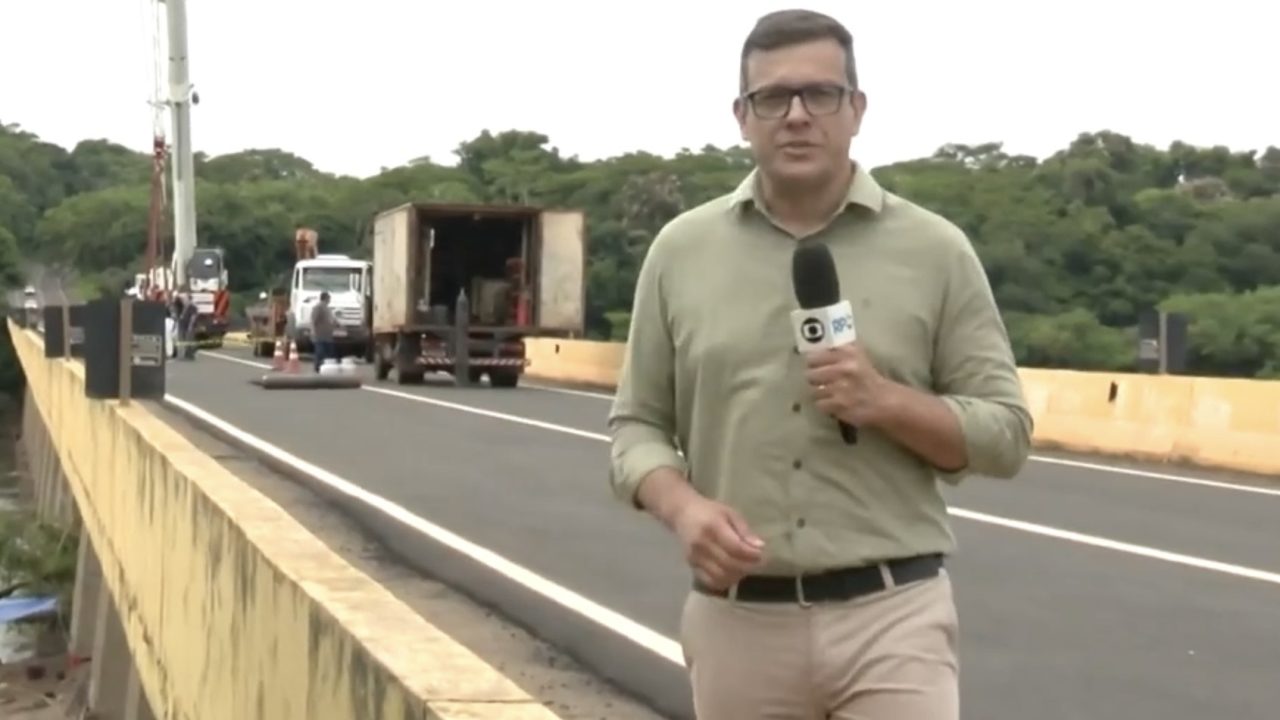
540, 669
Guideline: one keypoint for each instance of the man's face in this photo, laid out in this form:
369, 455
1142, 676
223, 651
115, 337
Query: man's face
791, 142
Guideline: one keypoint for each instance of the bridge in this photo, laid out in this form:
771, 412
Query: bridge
445, 552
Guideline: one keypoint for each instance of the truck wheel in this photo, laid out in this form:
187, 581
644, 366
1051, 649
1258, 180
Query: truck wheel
411, 377
504, 378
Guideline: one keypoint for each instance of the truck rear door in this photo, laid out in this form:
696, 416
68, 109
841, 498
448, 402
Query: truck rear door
560, 271
394, 253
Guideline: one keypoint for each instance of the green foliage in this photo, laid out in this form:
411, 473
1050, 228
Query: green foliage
1076, 245
36, 557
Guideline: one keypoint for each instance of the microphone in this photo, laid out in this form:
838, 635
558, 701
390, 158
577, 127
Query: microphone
824, 320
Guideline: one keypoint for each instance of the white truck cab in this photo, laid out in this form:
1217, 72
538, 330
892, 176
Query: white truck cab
347, 280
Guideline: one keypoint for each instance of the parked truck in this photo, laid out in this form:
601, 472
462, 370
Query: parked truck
286, 312
346, 279
209, 284
518, 271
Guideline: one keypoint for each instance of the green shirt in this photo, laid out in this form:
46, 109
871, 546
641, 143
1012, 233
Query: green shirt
713, 385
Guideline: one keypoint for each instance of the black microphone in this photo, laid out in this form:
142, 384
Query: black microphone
824, 320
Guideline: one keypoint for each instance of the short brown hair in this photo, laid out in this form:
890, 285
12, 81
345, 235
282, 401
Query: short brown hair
791, 27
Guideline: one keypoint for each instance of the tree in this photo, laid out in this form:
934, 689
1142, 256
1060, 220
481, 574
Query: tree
1077, 246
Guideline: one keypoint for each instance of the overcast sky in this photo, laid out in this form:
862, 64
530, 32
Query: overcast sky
355, 86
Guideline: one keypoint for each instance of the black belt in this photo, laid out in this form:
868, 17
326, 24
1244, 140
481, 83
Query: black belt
830, 585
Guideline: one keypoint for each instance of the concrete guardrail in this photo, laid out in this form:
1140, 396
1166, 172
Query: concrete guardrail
1213, 422
231, 608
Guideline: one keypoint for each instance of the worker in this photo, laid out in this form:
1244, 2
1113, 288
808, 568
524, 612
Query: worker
322, 322
188, 312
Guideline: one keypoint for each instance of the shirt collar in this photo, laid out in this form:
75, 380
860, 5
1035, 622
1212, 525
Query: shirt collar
863, 191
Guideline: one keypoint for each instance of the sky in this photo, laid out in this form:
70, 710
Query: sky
355, 87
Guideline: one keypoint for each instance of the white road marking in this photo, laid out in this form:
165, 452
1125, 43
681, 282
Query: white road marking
637, 633
1124, 547
1187, 479
1024, 526
1098, 467
1238, 487
449, 405
569, 391
660, 645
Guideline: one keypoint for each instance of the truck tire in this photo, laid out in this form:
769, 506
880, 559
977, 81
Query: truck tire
409, 377
408, 371
504, 378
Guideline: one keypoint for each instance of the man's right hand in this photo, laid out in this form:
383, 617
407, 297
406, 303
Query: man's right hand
717, 543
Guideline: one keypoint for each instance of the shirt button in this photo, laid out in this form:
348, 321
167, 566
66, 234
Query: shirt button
800, 522
795, 407
796, 464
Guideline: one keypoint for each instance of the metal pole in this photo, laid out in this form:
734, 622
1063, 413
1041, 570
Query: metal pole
180, 100
66, 329
461, 341
126, 350
1164, 342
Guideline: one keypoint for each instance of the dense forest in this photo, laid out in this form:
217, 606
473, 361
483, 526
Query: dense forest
1077, 244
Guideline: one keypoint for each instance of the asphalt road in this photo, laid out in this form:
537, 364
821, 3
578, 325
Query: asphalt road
1084, 593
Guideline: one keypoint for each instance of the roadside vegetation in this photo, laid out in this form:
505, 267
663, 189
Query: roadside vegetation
1077, 245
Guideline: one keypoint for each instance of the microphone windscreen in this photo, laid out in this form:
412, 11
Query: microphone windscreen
813, 275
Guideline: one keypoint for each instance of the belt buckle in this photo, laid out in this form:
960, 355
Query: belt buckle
800, 598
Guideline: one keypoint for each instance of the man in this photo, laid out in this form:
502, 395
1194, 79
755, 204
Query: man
188, 315
819, 590
322, 322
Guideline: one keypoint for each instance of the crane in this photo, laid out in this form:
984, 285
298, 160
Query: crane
199, 270
181, 97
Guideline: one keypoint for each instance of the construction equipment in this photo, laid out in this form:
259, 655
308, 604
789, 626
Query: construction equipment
286, 312
346, 279
457, 288
287, 375
268, 321
308, 381
200, 271
209, 285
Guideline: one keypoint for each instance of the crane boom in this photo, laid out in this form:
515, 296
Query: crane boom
181, 98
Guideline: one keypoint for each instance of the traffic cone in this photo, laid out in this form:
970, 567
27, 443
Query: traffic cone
277, 357
293, 358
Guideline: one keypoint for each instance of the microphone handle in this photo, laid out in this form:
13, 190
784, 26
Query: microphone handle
849, 433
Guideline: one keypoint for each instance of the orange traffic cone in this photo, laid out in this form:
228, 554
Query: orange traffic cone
293, 357
277, 357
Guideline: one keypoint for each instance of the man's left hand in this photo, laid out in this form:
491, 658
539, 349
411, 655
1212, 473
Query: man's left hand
846, 385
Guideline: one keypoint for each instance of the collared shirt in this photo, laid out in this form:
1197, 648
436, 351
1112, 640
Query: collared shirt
713, 385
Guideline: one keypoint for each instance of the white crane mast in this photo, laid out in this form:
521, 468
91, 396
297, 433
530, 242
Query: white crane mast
181, 98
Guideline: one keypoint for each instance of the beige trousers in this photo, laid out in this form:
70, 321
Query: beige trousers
887, 656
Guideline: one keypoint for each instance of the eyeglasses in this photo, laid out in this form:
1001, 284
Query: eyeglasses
771, 103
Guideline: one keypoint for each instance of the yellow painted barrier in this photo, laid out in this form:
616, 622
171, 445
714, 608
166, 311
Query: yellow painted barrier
583, 362
231, 608
1214, 422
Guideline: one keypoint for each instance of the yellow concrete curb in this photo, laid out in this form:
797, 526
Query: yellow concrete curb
1221, 423
231, 607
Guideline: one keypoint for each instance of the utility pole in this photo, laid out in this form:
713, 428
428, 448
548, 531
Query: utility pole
181, 98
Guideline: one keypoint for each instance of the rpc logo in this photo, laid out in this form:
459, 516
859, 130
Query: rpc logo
842, 324
812, 330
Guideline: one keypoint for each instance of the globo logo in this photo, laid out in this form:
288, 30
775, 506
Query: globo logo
812, 330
